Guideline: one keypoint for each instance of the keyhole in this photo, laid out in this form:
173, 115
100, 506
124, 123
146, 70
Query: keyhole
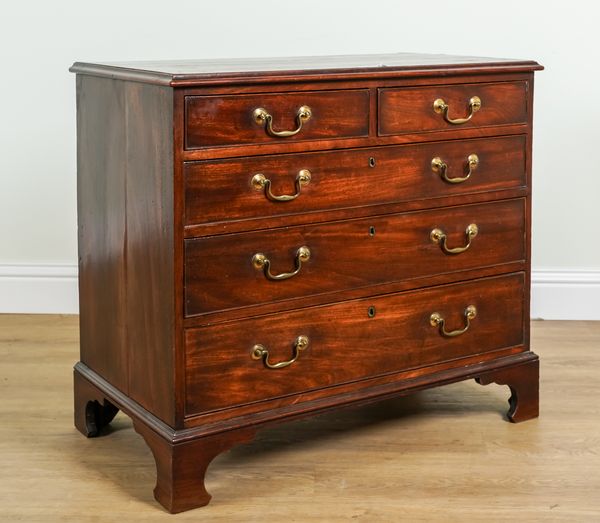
372, 230
371, 311
371, 162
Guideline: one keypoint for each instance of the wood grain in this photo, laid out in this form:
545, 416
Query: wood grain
387, 461
368, 242
407, 110
181, 468
101, 180
221, 191
126, 238
302, 68
346, 344
226, 120
150, 279
347, 255
523, 381
326, 83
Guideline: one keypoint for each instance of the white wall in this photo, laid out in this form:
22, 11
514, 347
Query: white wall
39, 41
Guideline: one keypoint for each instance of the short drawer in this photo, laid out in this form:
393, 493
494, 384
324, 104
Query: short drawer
245, 269
212, 121
437, 108
226, 365
266, 186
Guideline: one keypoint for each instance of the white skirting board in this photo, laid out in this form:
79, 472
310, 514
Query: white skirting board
563, 294
45, 289
557, 294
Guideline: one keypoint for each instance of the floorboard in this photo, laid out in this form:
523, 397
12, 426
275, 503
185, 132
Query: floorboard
440, 455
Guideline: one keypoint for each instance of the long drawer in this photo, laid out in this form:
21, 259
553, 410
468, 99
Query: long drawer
244, 269
442, 107
243, 188
228, 364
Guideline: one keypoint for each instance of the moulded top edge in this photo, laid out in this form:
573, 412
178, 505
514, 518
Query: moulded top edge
190, 72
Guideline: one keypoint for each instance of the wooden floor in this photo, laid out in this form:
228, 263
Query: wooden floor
441, 455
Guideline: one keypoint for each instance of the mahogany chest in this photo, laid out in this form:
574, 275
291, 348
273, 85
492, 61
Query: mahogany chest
266, 239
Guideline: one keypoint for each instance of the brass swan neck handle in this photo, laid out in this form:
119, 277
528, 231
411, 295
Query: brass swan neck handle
263, 117
440, 167
437, 320
261, 262
439, 236
441, 107
261, 183
261, 352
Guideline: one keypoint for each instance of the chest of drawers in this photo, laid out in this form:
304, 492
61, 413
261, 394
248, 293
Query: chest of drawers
267, 239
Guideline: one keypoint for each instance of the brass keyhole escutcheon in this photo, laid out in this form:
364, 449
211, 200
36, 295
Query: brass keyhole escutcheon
371, 162
371, 311
372, 230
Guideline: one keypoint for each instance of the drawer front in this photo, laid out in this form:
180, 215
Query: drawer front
242, 188
224, 272
232, 120
349, 341
411, 109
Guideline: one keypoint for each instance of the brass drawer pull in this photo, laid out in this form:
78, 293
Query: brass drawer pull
262, 117
439, 236
261, 262
441, 107
440, 167
261, 182
437, 320
261, 352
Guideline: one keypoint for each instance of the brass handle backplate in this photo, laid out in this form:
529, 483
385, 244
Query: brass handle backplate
261, 183
263, 117
261, 262
439, 236
440, 167
261, 352
437, 320
441, 107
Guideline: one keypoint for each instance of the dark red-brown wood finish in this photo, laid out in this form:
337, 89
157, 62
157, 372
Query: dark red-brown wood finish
350, 341
222, 190
406, 110
351, 254
330, 118
399, 196
126, 243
